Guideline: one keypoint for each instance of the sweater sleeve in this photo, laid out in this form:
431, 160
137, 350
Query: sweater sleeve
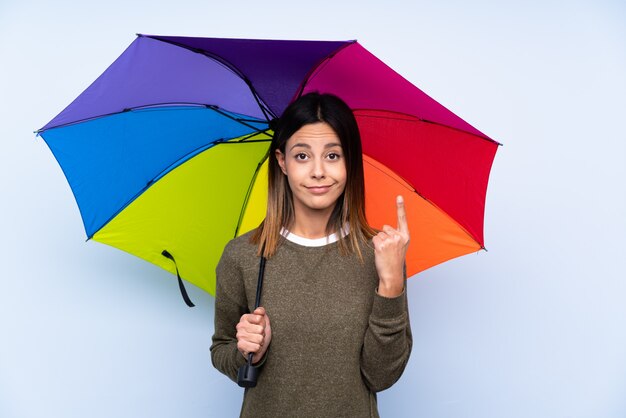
230, 304
387, 343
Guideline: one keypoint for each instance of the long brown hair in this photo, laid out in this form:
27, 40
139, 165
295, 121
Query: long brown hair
350, 206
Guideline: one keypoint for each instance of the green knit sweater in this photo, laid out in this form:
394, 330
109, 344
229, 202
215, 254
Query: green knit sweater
335, 341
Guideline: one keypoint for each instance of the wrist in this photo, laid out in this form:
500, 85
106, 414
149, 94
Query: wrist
390, 290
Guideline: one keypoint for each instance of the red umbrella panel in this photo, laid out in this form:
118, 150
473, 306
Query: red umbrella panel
416, 147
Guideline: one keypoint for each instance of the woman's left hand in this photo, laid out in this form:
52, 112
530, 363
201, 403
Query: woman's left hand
390, 246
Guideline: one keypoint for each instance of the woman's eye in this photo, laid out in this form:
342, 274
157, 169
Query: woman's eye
300, 156
333, 156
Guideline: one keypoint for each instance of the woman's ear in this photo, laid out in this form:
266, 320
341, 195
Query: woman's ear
280, 157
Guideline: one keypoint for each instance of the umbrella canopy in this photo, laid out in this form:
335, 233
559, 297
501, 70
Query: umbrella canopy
166, 150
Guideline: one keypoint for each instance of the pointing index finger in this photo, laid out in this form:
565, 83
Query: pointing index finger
402, 223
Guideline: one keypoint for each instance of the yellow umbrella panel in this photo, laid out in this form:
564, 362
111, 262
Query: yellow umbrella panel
193, 211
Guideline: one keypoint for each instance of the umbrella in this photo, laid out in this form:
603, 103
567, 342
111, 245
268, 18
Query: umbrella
166, 151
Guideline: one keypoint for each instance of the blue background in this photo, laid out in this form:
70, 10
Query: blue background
536, 327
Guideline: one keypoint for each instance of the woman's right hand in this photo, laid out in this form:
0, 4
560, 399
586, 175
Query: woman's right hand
254, 334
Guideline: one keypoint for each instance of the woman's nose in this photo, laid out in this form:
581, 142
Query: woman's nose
317, 168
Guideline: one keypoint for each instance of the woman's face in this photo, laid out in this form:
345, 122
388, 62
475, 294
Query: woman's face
315, 168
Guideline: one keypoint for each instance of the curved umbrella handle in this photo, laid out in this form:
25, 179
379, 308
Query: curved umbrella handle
248, 374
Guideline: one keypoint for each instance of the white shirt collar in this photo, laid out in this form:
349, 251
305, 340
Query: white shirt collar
314, 242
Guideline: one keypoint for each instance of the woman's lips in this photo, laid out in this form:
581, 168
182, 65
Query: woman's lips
318, 189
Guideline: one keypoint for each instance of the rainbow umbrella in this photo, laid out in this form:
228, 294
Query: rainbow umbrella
166, 151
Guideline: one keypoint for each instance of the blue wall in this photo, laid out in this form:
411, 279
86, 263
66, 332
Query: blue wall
532, 328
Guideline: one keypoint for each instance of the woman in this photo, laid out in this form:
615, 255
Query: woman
333, 328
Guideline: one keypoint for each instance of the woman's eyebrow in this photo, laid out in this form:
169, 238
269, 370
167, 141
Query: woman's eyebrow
303, 145
300, 144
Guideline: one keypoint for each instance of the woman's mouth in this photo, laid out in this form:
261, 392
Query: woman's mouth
318, 189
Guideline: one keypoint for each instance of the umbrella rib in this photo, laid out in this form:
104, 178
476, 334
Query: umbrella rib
267, 112
225, 63
171, 167
156, 106
315, 69
252, 135
154, 179
126, 109
412, 189
412, 118
241, 121
76, 122
248, 192
242, 141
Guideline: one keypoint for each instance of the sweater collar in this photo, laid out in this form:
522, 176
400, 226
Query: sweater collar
314, 242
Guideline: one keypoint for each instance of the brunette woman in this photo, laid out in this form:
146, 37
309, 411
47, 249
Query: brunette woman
333, 329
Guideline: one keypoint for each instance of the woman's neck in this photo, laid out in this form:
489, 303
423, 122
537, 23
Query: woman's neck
309, 230
311, 224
